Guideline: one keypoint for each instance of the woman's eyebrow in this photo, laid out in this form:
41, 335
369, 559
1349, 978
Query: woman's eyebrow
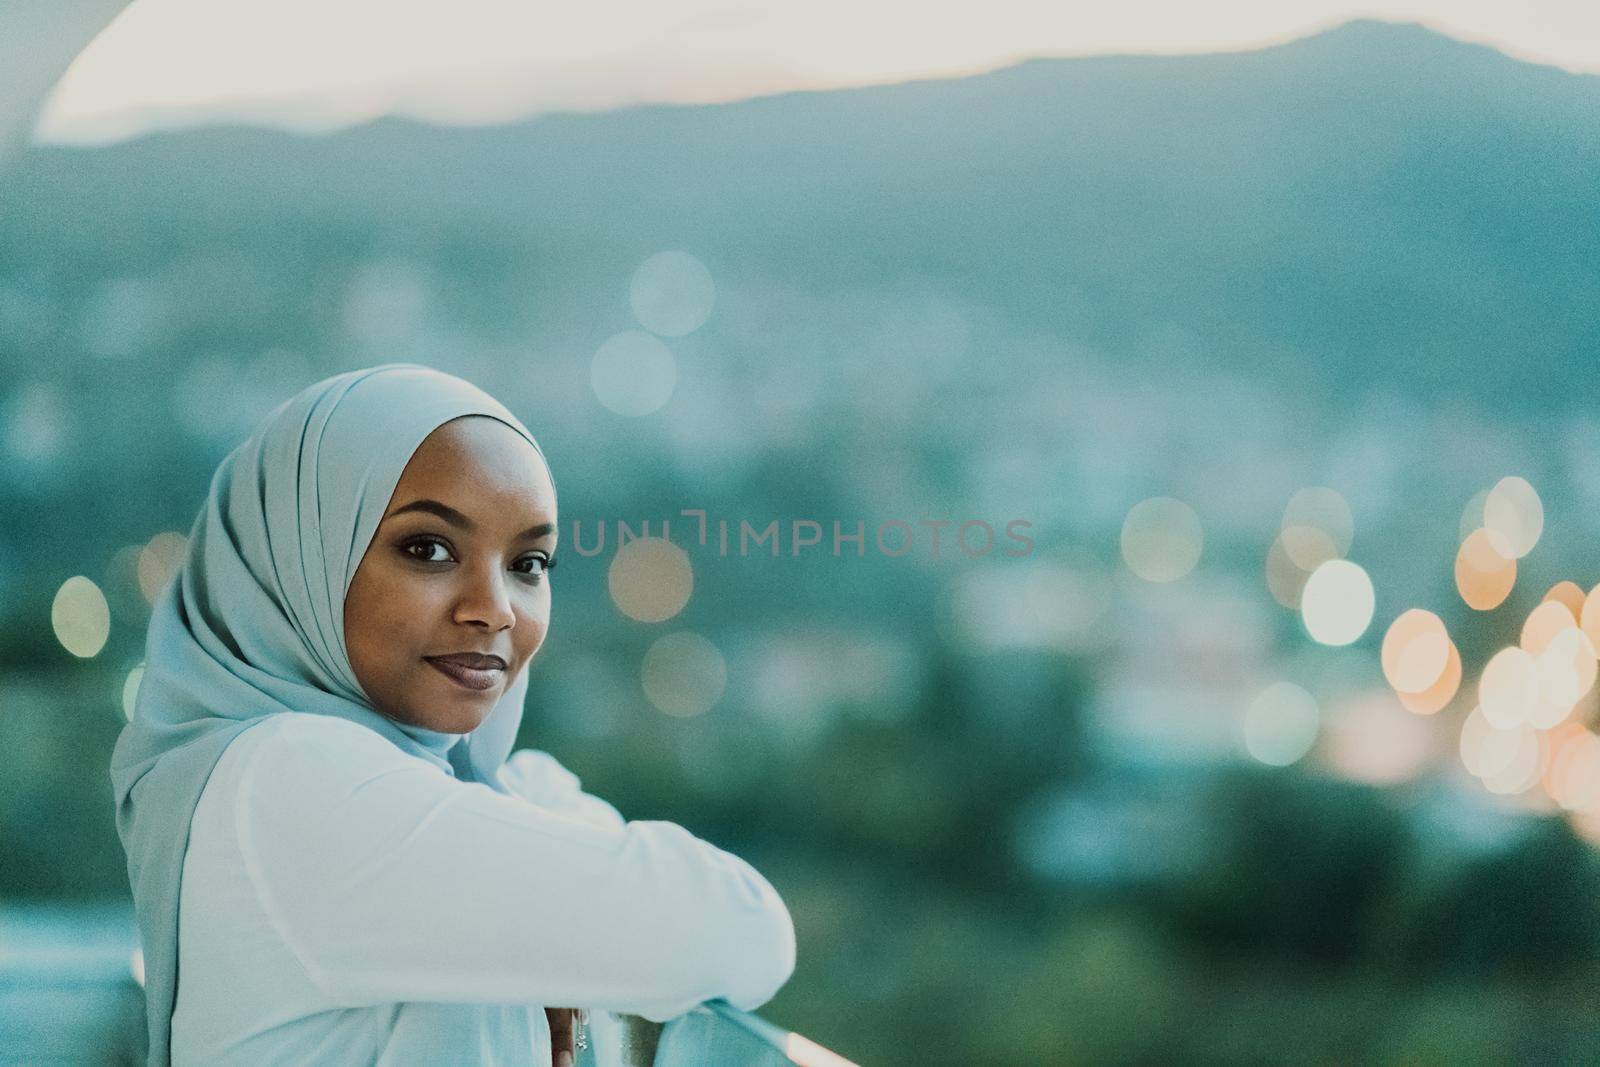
455, 518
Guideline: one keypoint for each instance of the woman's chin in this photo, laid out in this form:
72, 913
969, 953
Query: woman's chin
454, 711
462, 721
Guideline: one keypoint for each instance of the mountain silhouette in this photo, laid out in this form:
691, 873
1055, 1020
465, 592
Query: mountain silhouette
1377, 205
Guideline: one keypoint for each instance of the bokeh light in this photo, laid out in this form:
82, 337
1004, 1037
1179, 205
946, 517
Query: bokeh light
1286, 579
1280, 725
1508, 688
1484, 577
1416, 649
35, 427
1513, 517
633, 373
81, 617
159, 560
672, 294
1161, 539
650, 579
1308, 547
1504, 755
1570, 594
1589, 617
1543, 624
1573, 778
1474, 741
1371, 738
130, 690
1472, 514
1441, 692
1317, 526
1566, 672
683, 674
1519, 763
1336, 605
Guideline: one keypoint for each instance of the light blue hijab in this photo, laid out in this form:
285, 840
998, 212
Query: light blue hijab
253, 623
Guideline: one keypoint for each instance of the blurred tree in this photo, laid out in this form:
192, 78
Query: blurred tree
1299, 866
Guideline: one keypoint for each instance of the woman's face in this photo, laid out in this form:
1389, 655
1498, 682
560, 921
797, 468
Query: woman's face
456, 567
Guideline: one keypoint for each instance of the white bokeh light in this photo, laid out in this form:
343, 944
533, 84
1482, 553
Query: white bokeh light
1565, 671
1508, 689
130, 690
1161, 539
1492, 749
683, 674
34, 427
1317, 526
672, 294
1475, 731
81, 617
1514, 517
1521, 771
650, 579
1280, 725
633, 373
1472, 514
1337, 603
159, 561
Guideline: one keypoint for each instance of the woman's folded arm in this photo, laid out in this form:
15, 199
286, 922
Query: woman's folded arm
540, 778
391, 881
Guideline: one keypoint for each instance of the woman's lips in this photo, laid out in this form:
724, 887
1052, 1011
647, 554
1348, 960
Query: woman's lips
467, 677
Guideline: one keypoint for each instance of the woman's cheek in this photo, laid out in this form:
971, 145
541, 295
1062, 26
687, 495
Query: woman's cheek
420, 598
539, 626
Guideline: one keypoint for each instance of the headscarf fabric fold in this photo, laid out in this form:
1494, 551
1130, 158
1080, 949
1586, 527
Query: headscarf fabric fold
252, 624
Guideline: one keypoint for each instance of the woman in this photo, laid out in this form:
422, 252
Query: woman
332, 858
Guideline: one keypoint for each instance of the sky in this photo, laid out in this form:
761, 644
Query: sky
316, 64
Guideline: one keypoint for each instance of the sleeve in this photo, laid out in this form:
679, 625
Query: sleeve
391, 881
539, 778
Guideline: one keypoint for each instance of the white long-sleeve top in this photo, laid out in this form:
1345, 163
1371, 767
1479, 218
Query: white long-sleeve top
344, 902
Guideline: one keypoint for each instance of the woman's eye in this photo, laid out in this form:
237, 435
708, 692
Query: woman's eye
422, 551
539, 565
426, 547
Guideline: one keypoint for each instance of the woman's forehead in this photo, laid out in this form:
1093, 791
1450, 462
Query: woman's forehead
484, 455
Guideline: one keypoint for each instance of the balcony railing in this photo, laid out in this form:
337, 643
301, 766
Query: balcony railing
715, 1034
69, 994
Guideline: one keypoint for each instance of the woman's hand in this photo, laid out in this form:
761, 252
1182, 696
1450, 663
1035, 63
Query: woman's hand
561, 1038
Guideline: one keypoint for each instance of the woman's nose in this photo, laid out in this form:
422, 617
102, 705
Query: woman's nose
487, 600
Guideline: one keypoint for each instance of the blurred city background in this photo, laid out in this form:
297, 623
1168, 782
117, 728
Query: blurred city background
1273, 741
